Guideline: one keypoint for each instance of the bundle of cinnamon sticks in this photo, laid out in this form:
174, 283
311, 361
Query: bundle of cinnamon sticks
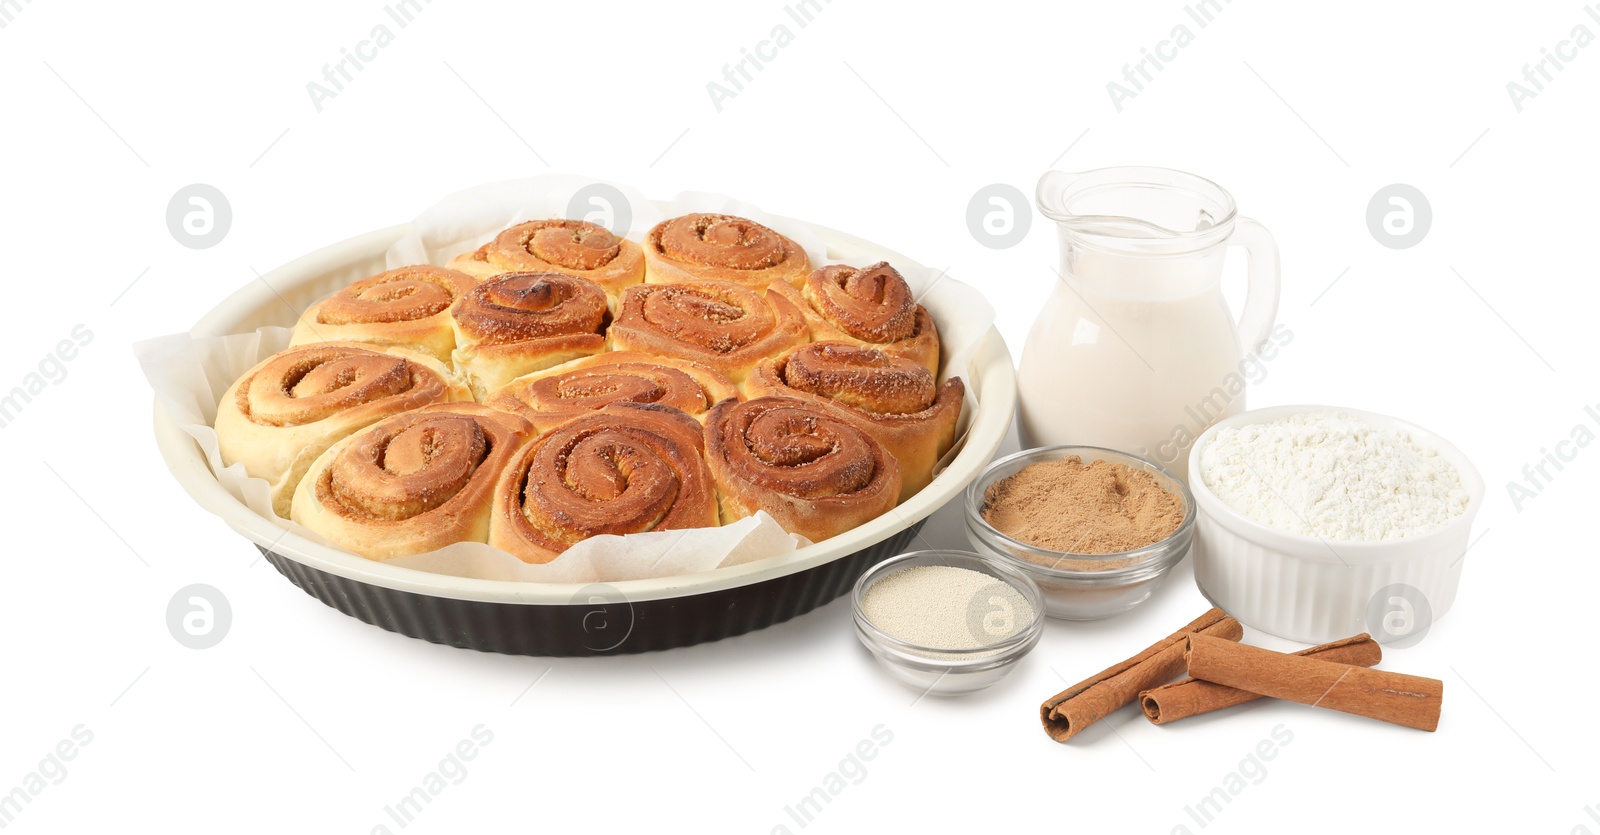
1223, 673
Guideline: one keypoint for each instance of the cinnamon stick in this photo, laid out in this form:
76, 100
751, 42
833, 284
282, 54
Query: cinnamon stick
1090, 700
1412, 701
1192, 697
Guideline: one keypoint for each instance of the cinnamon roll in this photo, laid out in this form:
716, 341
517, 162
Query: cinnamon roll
408, 307
871, 306
519, 323
288, 409
577, 388
720, 325
411, 483
815, 471
697, 247
891, 398
627, 468
571, 247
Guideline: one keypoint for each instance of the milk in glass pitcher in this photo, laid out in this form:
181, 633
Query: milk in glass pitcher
1136, 348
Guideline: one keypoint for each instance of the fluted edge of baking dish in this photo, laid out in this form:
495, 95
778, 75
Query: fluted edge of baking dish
667, 612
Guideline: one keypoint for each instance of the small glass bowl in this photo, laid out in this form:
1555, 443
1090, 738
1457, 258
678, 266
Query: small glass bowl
1082, 586
946, 672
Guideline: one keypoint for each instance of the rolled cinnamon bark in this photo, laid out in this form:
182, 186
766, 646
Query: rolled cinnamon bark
1192, 697
1402, 699
1087, 702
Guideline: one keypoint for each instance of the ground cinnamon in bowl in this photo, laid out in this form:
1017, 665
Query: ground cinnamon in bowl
1067, 505
1096, 529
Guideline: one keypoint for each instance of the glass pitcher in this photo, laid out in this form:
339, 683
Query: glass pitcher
1136, 348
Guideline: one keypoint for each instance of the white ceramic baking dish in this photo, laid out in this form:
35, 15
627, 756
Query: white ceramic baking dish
570, 619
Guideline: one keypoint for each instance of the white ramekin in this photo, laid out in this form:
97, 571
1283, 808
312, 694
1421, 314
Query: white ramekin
1312, 590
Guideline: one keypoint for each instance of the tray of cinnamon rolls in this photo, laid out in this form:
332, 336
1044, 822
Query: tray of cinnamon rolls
485, 451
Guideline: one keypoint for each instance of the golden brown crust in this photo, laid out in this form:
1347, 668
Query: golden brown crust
871, 306
571, 247
719, 247
519, 323
411, 483
406, 307
815, 472
892, 398
726, 327
627, 468
281, 414
574, 389
474, 263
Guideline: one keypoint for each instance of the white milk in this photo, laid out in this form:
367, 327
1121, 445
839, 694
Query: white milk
1137, 354
1136, 349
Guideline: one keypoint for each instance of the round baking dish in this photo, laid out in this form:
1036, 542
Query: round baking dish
1310, 590
570, 618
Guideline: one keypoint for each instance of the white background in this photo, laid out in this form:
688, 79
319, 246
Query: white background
876, 120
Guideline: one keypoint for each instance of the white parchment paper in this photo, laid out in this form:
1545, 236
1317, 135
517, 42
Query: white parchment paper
191, 374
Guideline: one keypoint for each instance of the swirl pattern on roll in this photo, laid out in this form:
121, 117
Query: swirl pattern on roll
406, 307
871, 306
723, 248
572, 247
318, 382
411, 483
523, 306
817, 473
892, 398
279, 416
577, 388
519, 323
627, 468
723, 326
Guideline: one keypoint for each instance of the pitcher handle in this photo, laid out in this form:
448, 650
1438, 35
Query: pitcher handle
1261, 295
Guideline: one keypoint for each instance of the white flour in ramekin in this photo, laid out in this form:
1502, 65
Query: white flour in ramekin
1332, 475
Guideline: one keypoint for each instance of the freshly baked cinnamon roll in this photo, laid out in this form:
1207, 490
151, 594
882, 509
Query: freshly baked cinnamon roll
627, 468
720, 325
283, 413
892, 398
871, 306
697, 247
817, 473
571, 247
407, 308
519, 323
411, 483
556, 395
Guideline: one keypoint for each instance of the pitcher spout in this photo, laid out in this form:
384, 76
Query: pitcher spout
1137, 203
1052, 191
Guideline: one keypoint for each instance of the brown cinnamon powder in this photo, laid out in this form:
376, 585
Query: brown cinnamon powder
1102, 507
